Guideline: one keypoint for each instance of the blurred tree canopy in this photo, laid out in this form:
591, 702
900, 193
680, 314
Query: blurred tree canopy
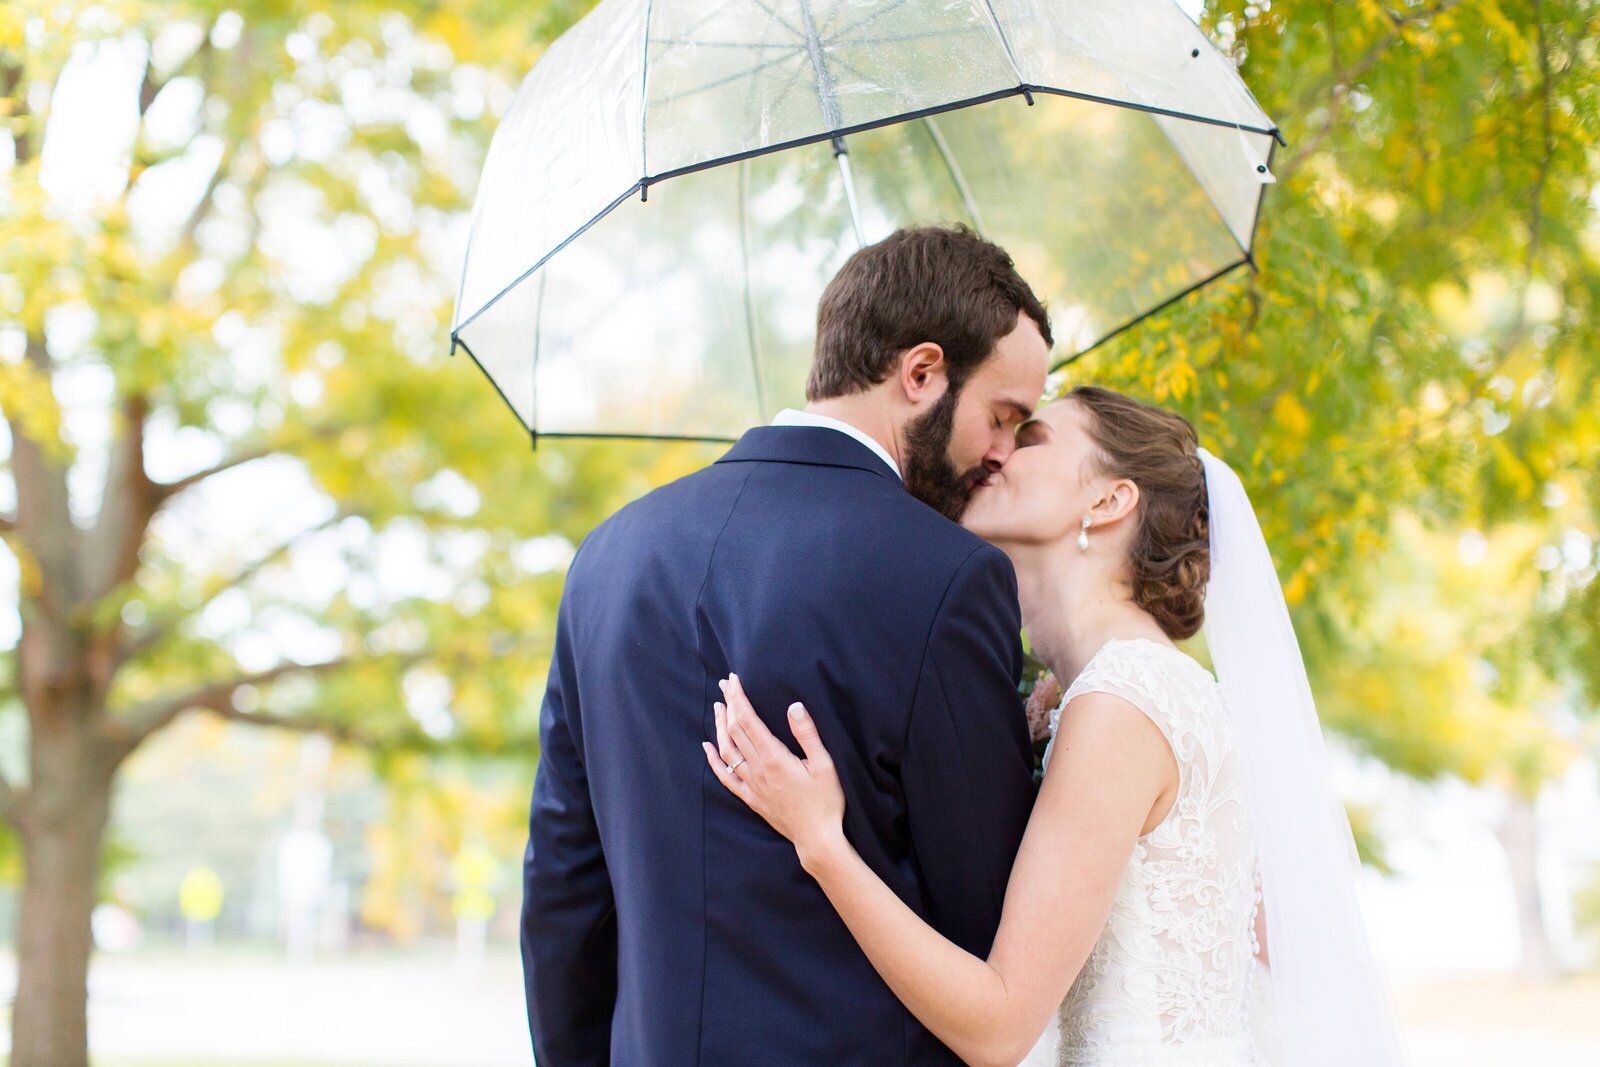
1419, 347
1421, 333
238, 474
1408, 386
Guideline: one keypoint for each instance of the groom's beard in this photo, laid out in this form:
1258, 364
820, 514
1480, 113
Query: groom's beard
930, 475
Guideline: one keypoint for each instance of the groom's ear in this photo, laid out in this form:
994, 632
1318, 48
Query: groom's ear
923, 373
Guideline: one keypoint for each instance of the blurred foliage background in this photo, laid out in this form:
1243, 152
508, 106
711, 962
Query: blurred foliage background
243, 483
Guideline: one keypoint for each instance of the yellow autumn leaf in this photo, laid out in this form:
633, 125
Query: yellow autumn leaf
1289, 413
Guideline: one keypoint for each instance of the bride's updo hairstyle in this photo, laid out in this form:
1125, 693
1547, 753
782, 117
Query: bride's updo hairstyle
1157, 451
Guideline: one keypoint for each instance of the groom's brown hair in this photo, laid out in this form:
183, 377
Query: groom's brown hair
944, 285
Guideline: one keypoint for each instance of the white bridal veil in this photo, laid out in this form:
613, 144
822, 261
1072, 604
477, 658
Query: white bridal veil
1329, 1001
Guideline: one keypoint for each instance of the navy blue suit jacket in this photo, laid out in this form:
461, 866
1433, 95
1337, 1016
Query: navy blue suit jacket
663, 923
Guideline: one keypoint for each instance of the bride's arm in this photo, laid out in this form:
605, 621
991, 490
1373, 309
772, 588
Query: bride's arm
1110, 770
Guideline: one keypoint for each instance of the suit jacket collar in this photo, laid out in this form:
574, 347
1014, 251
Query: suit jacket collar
816, 446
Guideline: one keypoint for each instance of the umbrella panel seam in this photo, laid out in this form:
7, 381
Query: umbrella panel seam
999, 94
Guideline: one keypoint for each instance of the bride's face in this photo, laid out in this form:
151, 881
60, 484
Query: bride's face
1046, 486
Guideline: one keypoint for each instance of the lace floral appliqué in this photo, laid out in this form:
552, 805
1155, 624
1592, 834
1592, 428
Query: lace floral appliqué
1168, 982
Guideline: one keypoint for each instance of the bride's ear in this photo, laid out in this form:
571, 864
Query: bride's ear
1117, 503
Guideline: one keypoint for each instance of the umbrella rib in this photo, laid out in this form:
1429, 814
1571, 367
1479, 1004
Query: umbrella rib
900, 38
788, 88
749, 297
847, 176
753, 45
828, 98
1131, 323
1261, 198
701, 21
542, 260
956, 176
533, 372
1133, 105
476, 362
644, 101
867, 20
1005, 43
601, 436
797, 142
865, 77
1215, 207
780, 20
461, 289
720, 82
819, 64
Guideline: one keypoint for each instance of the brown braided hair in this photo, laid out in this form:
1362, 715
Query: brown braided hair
1156, 449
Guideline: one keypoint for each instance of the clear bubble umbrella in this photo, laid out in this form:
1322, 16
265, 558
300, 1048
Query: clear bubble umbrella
676, 181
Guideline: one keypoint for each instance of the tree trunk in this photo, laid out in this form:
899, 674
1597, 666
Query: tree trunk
61, 847
1519, 835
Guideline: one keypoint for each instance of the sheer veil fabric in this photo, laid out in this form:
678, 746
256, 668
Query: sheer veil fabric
1328, 999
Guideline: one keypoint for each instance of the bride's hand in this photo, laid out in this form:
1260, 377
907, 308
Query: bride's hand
801, 799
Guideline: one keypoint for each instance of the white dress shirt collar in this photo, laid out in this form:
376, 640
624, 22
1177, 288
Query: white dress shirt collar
791, 417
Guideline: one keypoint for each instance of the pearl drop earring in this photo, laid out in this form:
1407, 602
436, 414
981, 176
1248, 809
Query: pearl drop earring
1083, 534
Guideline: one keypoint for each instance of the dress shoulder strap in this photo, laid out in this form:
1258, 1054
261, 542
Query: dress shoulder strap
1136, 671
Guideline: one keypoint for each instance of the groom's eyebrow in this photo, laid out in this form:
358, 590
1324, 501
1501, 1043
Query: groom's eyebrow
1024, 412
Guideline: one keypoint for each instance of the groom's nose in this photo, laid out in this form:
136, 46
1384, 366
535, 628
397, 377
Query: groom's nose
1001, 445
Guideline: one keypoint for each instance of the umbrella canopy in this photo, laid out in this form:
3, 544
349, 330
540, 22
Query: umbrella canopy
676, 180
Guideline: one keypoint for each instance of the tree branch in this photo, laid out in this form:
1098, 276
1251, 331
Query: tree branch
151, 86
128, 504
1344, 78
13, 805
159, 630
1507, 346
418, 742
415, 741
1546, 155
167, 490
127, 731
44, 518
184, 248
12, 86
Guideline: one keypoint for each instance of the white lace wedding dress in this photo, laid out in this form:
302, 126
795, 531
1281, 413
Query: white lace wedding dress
1168, 984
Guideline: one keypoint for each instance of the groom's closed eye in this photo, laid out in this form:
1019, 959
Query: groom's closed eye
1011, 411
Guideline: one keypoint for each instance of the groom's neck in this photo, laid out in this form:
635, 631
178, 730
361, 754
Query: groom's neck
867, 413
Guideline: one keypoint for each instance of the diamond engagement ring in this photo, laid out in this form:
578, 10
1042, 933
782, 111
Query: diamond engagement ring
735, 766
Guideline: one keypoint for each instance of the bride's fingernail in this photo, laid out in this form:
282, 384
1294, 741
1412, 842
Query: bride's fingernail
797, 712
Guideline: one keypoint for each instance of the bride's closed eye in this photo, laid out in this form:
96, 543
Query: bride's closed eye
1032, 432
